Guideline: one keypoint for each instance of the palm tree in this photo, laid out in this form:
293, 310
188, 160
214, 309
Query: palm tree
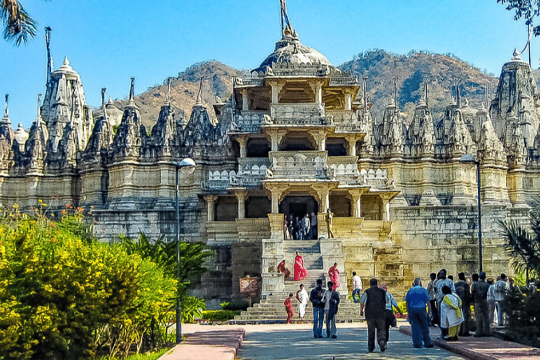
19, 27
523, 241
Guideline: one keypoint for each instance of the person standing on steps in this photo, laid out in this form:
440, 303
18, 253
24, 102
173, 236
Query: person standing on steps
357, 287
481, 308
300, 272
331, 301
416, 300
374, 302
463, 290
290, 225
316, 297
302, 297
329, 223
288, 308
297, 230
305, 225
314, 223
333, 273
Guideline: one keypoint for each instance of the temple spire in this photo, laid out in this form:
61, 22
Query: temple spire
458, 92
103, 93
286, 27
49, 56
38, 108
395, 79
131, 102
168, 91
6, 111
199, 95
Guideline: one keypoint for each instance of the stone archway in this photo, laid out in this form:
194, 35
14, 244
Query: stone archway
298, 141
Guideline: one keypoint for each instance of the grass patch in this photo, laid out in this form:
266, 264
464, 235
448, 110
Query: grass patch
220, 315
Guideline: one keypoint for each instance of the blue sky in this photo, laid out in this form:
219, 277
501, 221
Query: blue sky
107, 42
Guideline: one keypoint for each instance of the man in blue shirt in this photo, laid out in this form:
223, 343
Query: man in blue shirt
417, 299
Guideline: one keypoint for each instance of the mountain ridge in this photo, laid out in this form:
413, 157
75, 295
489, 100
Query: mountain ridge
380, 66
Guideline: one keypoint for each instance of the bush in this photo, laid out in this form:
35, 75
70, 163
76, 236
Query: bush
523, 306
63, 294
236, 305
220, 315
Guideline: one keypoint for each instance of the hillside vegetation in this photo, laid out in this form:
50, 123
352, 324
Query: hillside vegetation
411, 70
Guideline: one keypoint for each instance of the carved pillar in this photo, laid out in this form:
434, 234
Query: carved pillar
245, 100
320, 139
385, 208
317, 89
276, 88
348, 101
323, 193
211, 204
356, 196
242, 196
276, 194
275, 138
351, 148
242, 140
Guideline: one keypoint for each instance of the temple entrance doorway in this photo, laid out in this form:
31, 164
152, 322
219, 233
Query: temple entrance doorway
298, 206
294, 208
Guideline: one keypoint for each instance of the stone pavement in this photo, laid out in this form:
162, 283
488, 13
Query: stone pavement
485, 348
207, 343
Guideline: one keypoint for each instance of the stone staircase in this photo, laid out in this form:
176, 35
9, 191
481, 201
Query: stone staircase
271, 308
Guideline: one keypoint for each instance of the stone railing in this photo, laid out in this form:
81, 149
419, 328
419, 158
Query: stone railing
344, 120
299, 165
344, 168
298, 114
249, 121
343, 80
249, 81
252, 170
376, 178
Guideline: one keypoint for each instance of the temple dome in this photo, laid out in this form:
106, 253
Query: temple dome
291, 50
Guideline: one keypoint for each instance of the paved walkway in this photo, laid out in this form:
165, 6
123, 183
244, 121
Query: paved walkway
282, 342
207, 343
295, 341
485, 348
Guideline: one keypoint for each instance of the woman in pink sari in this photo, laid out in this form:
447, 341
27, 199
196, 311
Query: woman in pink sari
333, 273
300, 271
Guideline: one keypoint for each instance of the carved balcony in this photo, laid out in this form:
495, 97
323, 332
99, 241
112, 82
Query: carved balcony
343, 80
376, 178
299, 164
303, 114
345, 121
251, 171
344, 169
249, 121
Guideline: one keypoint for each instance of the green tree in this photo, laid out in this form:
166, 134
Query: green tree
523, 241
524, 9
19, 27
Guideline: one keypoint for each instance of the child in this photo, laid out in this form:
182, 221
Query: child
288, 307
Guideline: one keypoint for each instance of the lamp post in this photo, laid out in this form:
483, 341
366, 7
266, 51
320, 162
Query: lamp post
471, 159
187, 166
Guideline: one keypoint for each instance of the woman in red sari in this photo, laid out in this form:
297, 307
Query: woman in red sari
300, 271
282, 269
334, 276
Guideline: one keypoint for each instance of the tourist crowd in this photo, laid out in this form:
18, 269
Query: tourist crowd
443, 303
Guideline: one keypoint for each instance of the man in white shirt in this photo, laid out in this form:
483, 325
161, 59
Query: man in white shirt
302, 297
501, 288
357, 287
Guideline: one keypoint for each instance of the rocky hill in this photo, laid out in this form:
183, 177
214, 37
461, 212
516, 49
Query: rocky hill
411, 70
184, 87
440, 71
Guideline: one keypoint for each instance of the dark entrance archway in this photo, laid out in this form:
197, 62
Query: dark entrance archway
298, 205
